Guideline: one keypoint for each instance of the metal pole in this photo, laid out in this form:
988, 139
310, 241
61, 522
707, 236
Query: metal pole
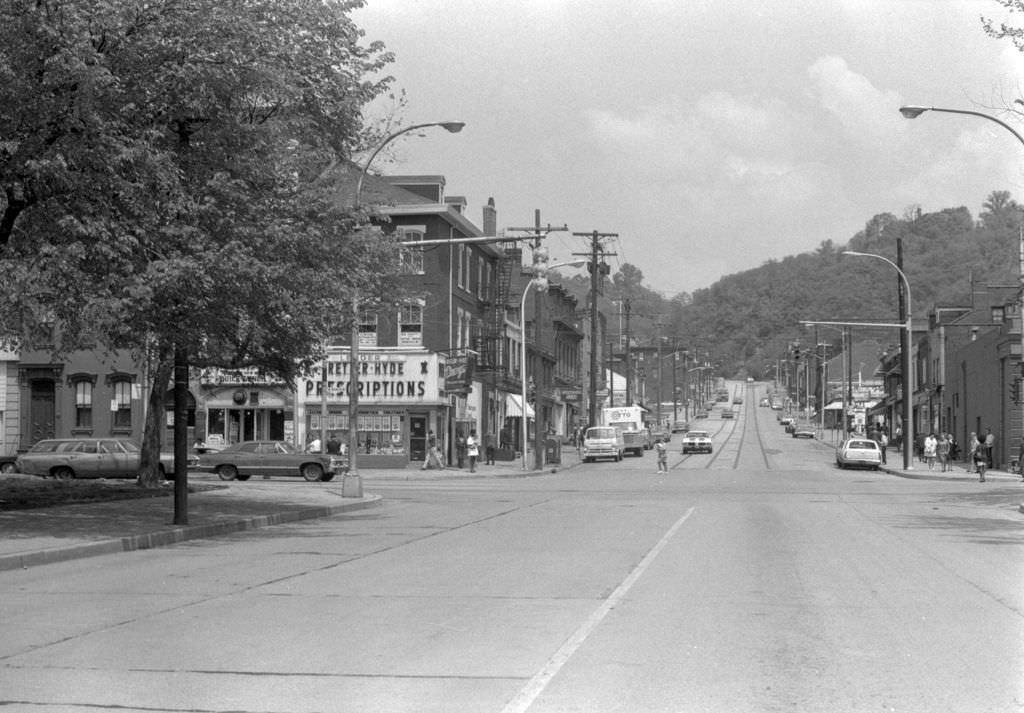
522, 367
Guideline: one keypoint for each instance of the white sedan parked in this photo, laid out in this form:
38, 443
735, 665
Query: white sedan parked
859, 452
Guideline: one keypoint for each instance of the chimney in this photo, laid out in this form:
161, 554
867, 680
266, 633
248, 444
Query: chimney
490, 225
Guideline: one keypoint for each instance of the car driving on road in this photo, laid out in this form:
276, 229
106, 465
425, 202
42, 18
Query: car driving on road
603, 442
697, 442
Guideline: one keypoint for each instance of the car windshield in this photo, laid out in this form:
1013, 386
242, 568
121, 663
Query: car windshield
697, 434
47, 446
601, 433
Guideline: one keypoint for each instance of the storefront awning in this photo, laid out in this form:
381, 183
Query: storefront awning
514, 408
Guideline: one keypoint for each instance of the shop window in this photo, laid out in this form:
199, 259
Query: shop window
410, 325
121, 406
411, 258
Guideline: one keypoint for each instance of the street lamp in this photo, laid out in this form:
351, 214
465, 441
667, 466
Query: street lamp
912, 112
541, 282
353, 367
908, 364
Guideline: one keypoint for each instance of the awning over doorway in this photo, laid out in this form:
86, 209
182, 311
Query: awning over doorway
514, 408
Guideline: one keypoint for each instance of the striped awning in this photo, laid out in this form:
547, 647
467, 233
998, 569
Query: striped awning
514, 408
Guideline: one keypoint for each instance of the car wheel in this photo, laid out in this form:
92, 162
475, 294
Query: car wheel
63, 473
312, 471
227, 472
8, 468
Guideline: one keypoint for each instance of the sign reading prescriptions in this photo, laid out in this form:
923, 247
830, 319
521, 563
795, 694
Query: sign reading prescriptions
382, 378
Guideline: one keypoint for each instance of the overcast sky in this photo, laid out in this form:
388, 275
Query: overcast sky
711, 135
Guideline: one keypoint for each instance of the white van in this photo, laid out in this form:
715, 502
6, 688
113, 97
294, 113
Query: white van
603, 442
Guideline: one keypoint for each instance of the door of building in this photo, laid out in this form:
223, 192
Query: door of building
417, 437
42, 410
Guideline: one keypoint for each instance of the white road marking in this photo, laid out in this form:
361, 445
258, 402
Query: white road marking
525, 698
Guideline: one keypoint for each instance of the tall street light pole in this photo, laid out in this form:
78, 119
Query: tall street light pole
353, 368
541, 283
912, 112
907, 364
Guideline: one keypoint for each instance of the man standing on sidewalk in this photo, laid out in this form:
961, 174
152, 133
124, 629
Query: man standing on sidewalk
990, 442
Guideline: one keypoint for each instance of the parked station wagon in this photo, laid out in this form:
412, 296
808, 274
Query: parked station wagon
67, 458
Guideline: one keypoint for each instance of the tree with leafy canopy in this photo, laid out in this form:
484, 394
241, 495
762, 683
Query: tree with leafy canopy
164, 187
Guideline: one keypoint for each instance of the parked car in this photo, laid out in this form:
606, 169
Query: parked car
803, 430
67, 458
737, 400
859, 452
8, 464
680, 427
241, 461
603, 442
696, 442
728, 413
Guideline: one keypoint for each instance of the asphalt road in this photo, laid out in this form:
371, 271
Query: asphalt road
757, 578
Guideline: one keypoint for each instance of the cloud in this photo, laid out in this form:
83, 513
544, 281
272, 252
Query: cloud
866, 113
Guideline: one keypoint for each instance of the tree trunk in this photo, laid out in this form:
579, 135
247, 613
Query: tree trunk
149, 470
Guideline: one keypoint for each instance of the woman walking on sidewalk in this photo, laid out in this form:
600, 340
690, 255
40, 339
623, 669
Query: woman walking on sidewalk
973, 445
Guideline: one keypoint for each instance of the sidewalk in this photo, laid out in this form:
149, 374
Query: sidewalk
959, 472
45, 535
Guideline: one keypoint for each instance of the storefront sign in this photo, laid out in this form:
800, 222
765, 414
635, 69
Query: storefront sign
458, 372
249, 377
383, 378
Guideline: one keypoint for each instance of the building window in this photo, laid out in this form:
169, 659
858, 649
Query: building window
83, 404
411, 257
410, 325
121, 406
998, 314
480, 278
367, 329
460, 258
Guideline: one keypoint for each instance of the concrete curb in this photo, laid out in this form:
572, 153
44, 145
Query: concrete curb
178, 534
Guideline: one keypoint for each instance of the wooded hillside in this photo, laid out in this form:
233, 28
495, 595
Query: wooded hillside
745, 321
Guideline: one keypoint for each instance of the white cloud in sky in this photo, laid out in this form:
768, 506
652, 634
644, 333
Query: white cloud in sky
711, 134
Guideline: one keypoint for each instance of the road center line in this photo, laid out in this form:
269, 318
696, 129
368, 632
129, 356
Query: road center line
525, 698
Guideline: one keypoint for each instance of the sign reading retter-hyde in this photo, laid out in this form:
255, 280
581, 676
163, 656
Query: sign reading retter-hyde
383, 378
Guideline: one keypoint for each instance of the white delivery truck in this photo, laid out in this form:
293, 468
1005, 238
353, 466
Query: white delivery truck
629, 420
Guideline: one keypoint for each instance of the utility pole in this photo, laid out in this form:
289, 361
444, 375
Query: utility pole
539, 383
611, 372
597, 271
661, 374
629, 358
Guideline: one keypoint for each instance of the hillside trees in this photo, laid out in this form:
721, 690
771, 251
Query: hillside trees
163, 175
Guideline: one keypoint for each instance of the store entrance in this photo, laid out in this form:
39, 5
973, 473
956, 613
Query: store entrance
417, 437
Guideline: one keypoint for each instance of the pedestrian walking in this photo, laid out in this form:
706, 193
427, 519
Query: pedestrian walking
472, 450
990, 444
973, 446
460, 449
432, 458
942, 452
662, 450
980, 462
929, 448
883, 444
489, 448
